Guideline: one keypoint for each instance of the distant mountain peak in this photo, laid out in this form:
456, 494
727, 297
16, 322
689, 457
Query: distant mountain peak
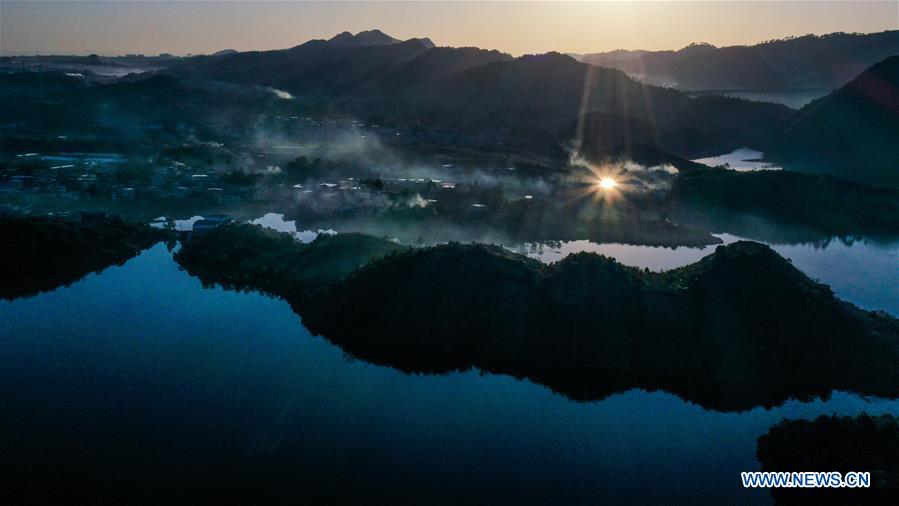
809, 62
426, 42
341, 37
697, 48
364, 38
552, 57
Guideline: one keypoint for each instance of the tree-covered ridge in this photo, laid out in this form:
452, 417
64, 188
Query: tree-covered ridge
251, 257
803, 62
44, 253
740, 328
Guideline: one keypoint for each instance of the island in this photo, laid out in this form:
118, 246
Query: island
740, 328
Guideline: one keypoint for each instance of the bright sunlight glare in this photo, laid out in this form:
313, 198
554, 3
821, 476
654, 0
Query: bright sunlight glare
607, 183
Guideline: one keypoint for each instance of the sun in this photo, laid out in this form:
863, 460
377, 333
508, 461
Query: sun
604, 183
607, 183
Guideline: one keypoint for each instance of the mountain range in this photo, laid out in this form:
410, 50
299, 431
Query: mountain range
551, 99
537, 97
547, 104
808, 62
854, 130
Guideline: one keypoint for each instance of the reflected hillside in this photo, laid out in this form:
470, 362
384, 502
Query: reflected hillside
738, 329
789, 203
44, 253
649, 205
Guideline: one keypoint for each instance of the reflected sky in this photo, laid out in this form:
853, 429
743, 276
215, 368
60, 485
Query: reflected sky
864, 273
740, 160
276, 221
141, 361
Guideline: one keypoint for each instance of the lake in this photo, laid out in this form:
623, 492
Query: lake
140, 371
740, 160
864, 272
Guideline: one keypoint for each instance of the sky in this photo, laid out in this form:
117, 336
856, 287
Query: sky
190, 26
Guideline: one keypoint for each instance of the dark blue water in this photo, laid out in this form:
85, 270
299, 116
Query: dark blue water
141, 370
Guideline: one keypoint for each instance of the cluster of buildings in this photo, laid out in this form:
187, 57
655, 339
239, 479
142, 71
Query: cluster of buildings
82, 175
178, 182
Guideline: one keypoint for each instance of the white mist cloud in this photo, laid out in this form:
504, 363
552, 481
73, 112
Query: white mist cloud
282, 94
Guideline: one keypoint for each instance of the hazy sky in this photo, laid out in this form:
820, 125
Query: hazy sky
118, 27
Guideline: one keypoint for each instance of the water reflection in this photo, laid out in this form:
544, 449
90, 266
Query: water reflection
654, 258
740, 160
276, 221
139, 375
865, 273
186, 225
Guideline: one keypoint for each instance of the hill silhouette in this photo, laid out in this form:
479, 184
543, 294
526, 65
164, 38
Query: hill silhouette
740, 328
555, 86
541, 106
365, 38
473, 89
807, 62
317, 67
825, 203
253, 257
44, 253
854, 131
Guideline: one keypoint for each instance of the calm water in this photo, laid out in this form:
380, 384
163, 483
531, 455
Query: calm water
864, 273
740, 160
276, 221
142, 370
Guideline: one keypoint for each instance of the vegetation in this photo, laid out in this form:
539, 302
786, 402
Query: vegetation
742, 320
450, 93
823, 203
430, 145
252, 257
809, 61
740, 328
853, 132
44, 253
